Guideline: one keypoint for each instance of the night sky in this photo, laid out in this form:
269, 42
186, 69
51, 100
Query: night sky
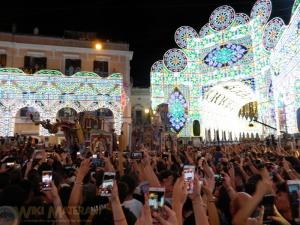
148, 26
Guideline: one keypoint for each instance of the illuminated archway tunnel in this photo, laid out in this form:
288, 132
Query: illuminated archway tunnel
222, 106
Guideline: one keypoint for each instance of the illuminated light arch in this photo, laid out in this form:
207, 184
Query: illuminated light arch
272, 56
49, 90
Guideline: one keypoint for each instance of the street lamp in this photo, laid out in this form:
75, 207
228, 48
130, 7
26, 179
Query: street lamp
147, 111
98, 46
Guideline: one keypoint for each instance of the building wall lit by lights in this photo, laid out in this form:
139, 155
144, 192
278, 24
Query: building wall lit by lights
61, 64
222, 76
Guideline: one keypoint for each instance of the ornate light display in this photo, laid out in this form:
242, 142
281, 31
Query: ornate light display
48, 91
177, 110
241, 18
175, 60
183, 34
225, 55
226, 67
273, 32
262, 9
222, 18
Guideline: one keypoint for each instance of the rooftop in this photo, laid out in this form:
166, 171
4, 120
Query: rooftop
59, 41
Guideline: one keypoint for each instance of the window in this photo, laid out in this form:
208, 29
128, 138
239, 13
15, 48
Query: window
2, 60
34, 64
298, 119
138, 116
196, 128
72, 66
101, 68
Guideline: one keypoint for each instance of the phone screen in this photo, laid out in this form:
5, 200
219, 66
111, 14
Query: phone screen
46, 180
107, 184
137, 155
268, 203
156, 200
10, 164
294, 187
189, 175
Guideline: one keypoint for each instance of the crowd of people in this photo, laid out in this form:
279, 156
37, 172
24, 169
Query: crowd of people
246, 183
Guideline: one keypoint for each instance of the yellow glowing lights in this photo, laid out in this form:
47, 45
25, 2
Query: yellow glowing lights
98, 46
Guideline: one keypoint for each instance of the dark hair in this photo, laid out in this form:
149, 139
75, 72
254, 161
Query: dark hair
130, 181
250, 186
165, 174
123, 191
4, 180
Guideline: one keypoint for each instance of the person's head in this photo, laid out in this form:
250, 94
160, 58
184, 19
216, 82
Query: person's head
167, 180
13, 195
123, 191
282, 198
4, 180
131, 183
8, 216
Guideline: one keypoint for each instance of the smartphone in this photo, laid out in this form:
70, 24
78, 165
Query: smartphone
156, 200
268, 203
46, 180
10, 164
293, 188
107, 184
98, 162
189, 175
219, 178
137, 155
165, 155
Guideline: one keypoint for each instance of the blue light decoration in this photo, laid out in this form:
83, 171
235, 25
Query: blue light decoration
177, 110
225, 55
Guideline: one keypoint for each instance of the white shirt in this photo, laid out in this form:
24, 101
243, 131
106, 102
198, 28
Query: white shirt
134, 206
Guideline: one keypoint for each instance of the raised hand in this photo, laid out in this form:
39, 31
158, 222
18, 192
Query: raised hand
171, 217
145, 218
180, 191
84, 168
197, 190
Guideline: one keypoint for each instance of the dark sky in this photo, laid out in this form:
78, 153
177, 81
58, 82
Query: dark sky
148, 26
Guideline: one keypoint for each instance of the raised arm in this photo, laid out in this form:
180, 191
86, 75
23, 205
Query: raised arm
199, 211
118, 214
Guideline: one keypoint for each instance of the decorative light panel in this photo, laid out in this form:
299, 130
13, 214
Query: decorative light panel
222, 17
49, 90
225, 55
232, 48
177, 110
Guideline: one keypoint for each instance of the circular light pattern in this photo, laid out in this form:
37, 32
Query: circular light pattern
205, 30
222, 17
262, 9
175, 60
157, 67
225, 55
272, 33
241, 18
177, 110
183, 34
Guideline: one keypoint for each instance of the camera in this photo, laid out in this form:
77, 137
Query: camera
137, 155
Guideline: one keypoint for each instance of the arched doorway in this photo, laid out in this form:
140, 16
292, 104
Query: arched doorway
24, 124
196, 128
67, 114
231, 100
98, 128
